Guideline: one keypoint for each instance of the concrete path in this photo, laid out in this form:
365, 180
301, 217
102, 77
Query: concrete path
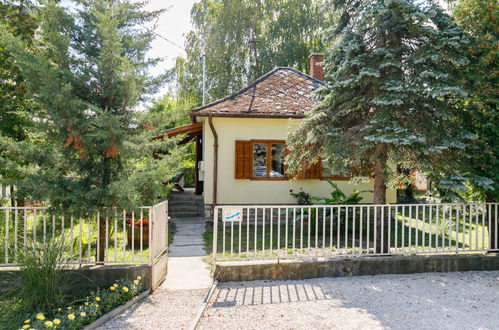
186, 268
175, 303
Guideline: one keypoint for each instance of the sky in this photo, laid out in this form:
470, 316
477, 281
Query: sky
173, 24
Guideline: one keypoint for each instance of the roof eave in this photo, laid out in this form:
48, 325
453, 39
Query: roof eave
246, 115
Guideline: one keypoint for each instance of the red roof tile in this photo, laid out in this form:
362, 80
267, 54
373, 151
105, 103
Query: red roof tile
281, 93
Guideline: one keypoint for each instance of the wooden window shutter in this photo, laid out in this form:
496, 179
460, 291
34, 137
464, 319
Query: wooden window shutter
243, 160
314, 170
310, 171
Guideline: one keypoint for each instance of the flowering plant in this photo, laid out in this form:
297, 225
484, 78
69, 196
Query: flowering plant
137, 223
87, 310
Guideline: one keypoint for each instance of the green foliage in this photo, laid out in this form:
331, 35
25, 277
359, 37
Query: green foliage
87, 71
338, 197
82, 313
393, 93
287, 32
480, 18
302, 198
15, 105
44, 282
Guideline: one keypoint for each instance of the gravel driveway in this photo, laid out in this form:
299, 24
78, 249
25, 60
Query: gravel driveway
164, 309
467, 300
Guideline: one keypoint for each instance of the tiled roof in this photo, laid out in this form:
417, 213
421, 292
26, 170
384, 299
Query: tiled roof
281, 93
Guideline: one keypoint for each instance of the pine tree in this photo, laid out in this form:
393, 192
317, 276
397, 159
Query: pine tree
87, 73
15, 105
392, 95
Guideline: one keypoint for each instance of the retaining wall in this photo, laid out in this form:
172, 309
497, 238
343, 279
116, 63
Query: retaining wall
358, 266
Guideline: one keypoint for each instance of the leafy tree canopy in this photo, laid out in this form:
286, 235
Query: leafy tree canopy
287, 32
393, 93
480, 18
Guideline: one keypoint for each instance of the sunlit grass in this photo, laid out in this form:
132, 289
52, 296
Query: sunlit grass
407, 235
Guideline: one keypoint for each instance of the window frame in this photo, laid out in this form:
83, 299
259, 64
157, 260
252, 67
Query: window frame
268, 161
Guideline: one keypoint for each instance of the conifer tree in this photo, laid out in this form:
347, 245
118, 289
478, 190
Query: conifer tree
15, 105
87, 73
391, 97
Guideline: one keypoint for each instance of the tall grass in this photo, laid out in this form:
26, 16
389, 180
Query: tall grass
44, 278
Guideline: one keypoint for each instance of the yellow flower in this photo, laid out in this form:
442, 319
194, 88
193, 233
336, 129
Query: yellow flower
59, 309
26, 326
139, 278
49, 324
83, 314
112, 288
96, 306
70, 308
115, 285
27, 321
125, 289
136, 282
40, 316
97, 299
71, 316
57, 321
86, 304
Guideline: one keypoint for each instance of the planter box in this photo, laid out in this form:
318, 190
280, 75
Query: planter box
136, 237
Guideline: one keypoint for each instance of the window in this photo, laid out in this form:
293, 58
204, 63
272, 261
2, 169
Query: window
268, 160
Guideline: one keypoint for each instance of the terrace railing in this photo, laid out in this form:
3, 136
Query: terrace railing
315, 231
107, 236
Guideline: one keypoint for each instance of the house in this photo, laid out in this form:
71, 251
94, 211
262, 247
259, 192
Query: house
240, 142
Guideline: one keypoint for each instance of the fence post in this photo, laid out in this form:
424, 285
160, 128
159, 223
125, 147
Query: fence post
151, 234
215, 233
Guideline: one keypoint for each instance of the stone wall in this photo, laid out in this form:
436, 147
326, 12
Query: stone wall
359, 266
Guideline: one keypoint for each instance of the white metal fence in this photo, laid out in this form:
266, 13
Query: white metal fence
294, 231
108, 236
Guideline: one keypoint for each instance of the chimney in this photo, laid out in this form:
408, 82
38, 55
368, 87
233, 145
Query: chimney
316, 65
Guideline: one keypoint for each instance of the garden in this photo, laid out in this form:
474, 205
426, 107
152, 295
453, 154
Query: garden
46, 292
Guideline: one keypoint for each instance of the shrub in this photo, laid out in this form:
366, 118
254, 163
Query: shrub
338, 197
44, 281
302, 198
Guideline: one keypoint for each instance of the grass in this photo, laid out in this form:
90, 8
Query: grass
44, 230
414, 234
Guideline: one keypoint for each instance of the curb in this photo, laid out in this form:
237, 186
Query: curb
112, 314
207, 299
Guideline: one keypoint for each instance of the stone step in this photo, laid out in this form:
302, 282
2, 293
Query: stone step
184, 202
186, 197
192, 213
180, 210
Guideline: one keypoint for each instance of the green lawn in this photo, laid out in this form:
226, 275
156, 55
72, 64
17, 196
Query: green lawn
310, 237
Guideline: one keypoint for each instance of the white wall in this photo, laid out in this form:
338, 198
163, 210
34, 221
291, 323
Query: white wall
238, 191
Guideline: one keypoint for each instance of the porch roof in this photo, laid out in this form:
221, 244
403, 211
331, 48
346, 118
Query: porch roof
189, 129
281, 93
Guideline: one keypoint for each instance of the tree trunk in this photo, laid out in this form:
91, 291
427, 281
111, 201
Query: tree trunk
12, 198
380, 199
102, 238
106, 179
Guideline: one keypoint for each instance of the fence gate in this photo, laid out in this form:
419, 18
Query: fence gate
159, 244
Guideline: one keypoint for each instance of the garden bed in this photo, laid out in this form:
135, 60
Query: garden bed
80, 311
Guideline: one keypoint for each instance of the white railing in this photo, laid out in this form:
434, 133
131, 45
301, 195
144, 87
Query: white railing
108, 236
312, 231
159, 238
